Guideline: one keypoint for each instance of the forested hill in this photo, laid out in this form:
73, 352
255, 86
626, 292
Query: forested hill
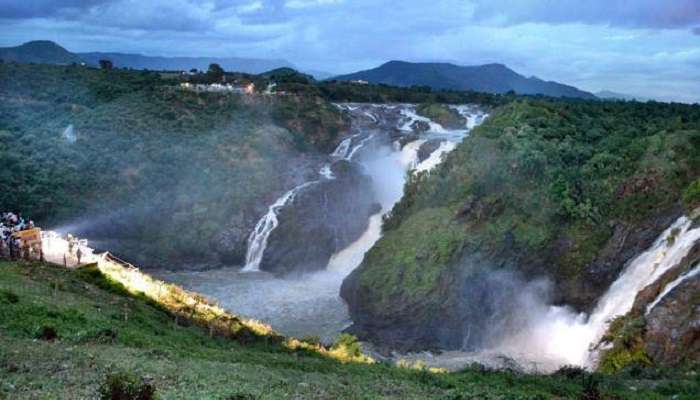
568, 191
489, 78
166, 175
48, 52
39, 52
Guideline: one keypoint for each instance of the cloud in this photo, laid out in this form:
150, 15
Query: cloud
46, 8
666, 14
644, 47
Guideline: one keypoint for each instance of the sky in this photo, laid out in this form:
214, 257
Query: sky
648, 48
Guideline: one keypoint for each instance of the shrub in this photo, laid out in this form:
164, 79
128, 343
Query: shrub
691, 195
8, 296
571, 372
47, 332
314, 340
348, 345
240, 396
126, 386
590, 388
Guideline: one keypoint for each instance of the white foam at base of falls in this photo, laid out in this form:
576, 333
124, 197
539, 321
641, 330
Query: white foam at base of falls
669, 287
556, 333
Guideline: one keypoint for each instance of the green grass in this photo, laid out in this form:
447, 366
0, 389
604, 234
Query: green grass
102, 331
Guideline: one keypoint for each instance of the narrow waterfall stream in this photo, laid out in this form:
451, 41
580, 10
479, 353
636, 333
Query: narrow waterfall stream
310, 305
258, 238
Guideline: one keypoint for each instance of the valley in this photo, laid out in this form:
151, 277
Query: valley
532, 236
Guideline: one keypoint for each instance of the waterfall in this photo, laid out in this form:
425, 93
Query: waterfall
435, 157
69, 134
388, 173
666, 252
257, 241
342, 150
556, 335
688, 274
411, 117
394, 164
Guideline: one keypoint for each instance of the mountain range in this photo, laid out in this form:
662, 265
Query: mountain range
610, 95
490, 78
48, 52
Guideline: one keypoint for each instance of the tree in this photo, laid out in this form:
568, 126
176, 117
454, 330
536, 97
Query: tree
215, 73
106, 64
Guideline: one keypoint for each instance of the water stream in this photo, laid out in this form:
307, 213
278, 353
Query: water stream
311, 305
556, 336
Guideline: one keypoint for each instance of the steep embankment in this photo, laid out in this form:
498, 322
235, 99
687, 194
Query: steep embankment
66, 333
563, 191
157, 174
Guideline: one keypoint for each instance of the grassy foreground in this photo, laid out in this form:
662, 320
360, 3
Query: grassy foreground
63, 332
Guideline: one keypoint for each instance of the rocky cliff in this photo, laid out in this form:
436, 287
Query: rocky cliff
565, 193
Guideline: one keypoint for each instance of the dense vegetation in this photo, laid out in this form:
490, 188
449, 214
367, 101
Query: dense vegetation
541, 170
165, 169
75, 334
541, 187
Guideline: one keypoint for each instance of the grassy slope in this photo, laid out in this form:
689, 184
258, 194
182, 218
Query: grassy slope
538, 181
185, 362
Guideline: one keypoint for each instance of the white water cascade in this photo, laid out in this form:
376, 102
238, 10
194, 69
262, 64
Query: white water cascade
257, 241
311, 304
687, 275
557, 336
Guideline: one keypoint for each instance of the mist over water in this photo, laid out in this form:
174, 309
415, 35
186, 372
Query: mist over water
310, 305
542, 337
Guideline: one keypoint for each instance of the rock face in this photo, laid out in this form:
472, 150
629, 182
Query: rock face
420, 126
466, 299
672, 333
427, 148
323, 218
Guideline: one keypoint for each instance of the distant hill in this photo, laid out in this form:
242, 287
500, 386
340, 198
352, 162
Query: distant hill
39, 52
610, 95
490, 78
157, 63
48, 52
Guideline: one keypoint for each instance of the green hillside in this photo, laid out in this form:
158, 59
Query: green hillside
567, 191
39, 52
159, 169
64, 333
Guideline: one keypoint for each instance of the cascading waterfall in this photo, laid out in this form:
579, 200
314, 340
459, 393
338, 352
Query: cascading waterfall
257, 241
687, 275
311, 305
557, 336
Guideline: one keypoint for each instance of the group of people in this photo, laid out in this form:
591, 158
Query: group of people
11, 244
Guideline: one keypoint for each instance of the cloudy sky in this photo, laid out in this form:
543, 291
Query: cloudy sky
642, 47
